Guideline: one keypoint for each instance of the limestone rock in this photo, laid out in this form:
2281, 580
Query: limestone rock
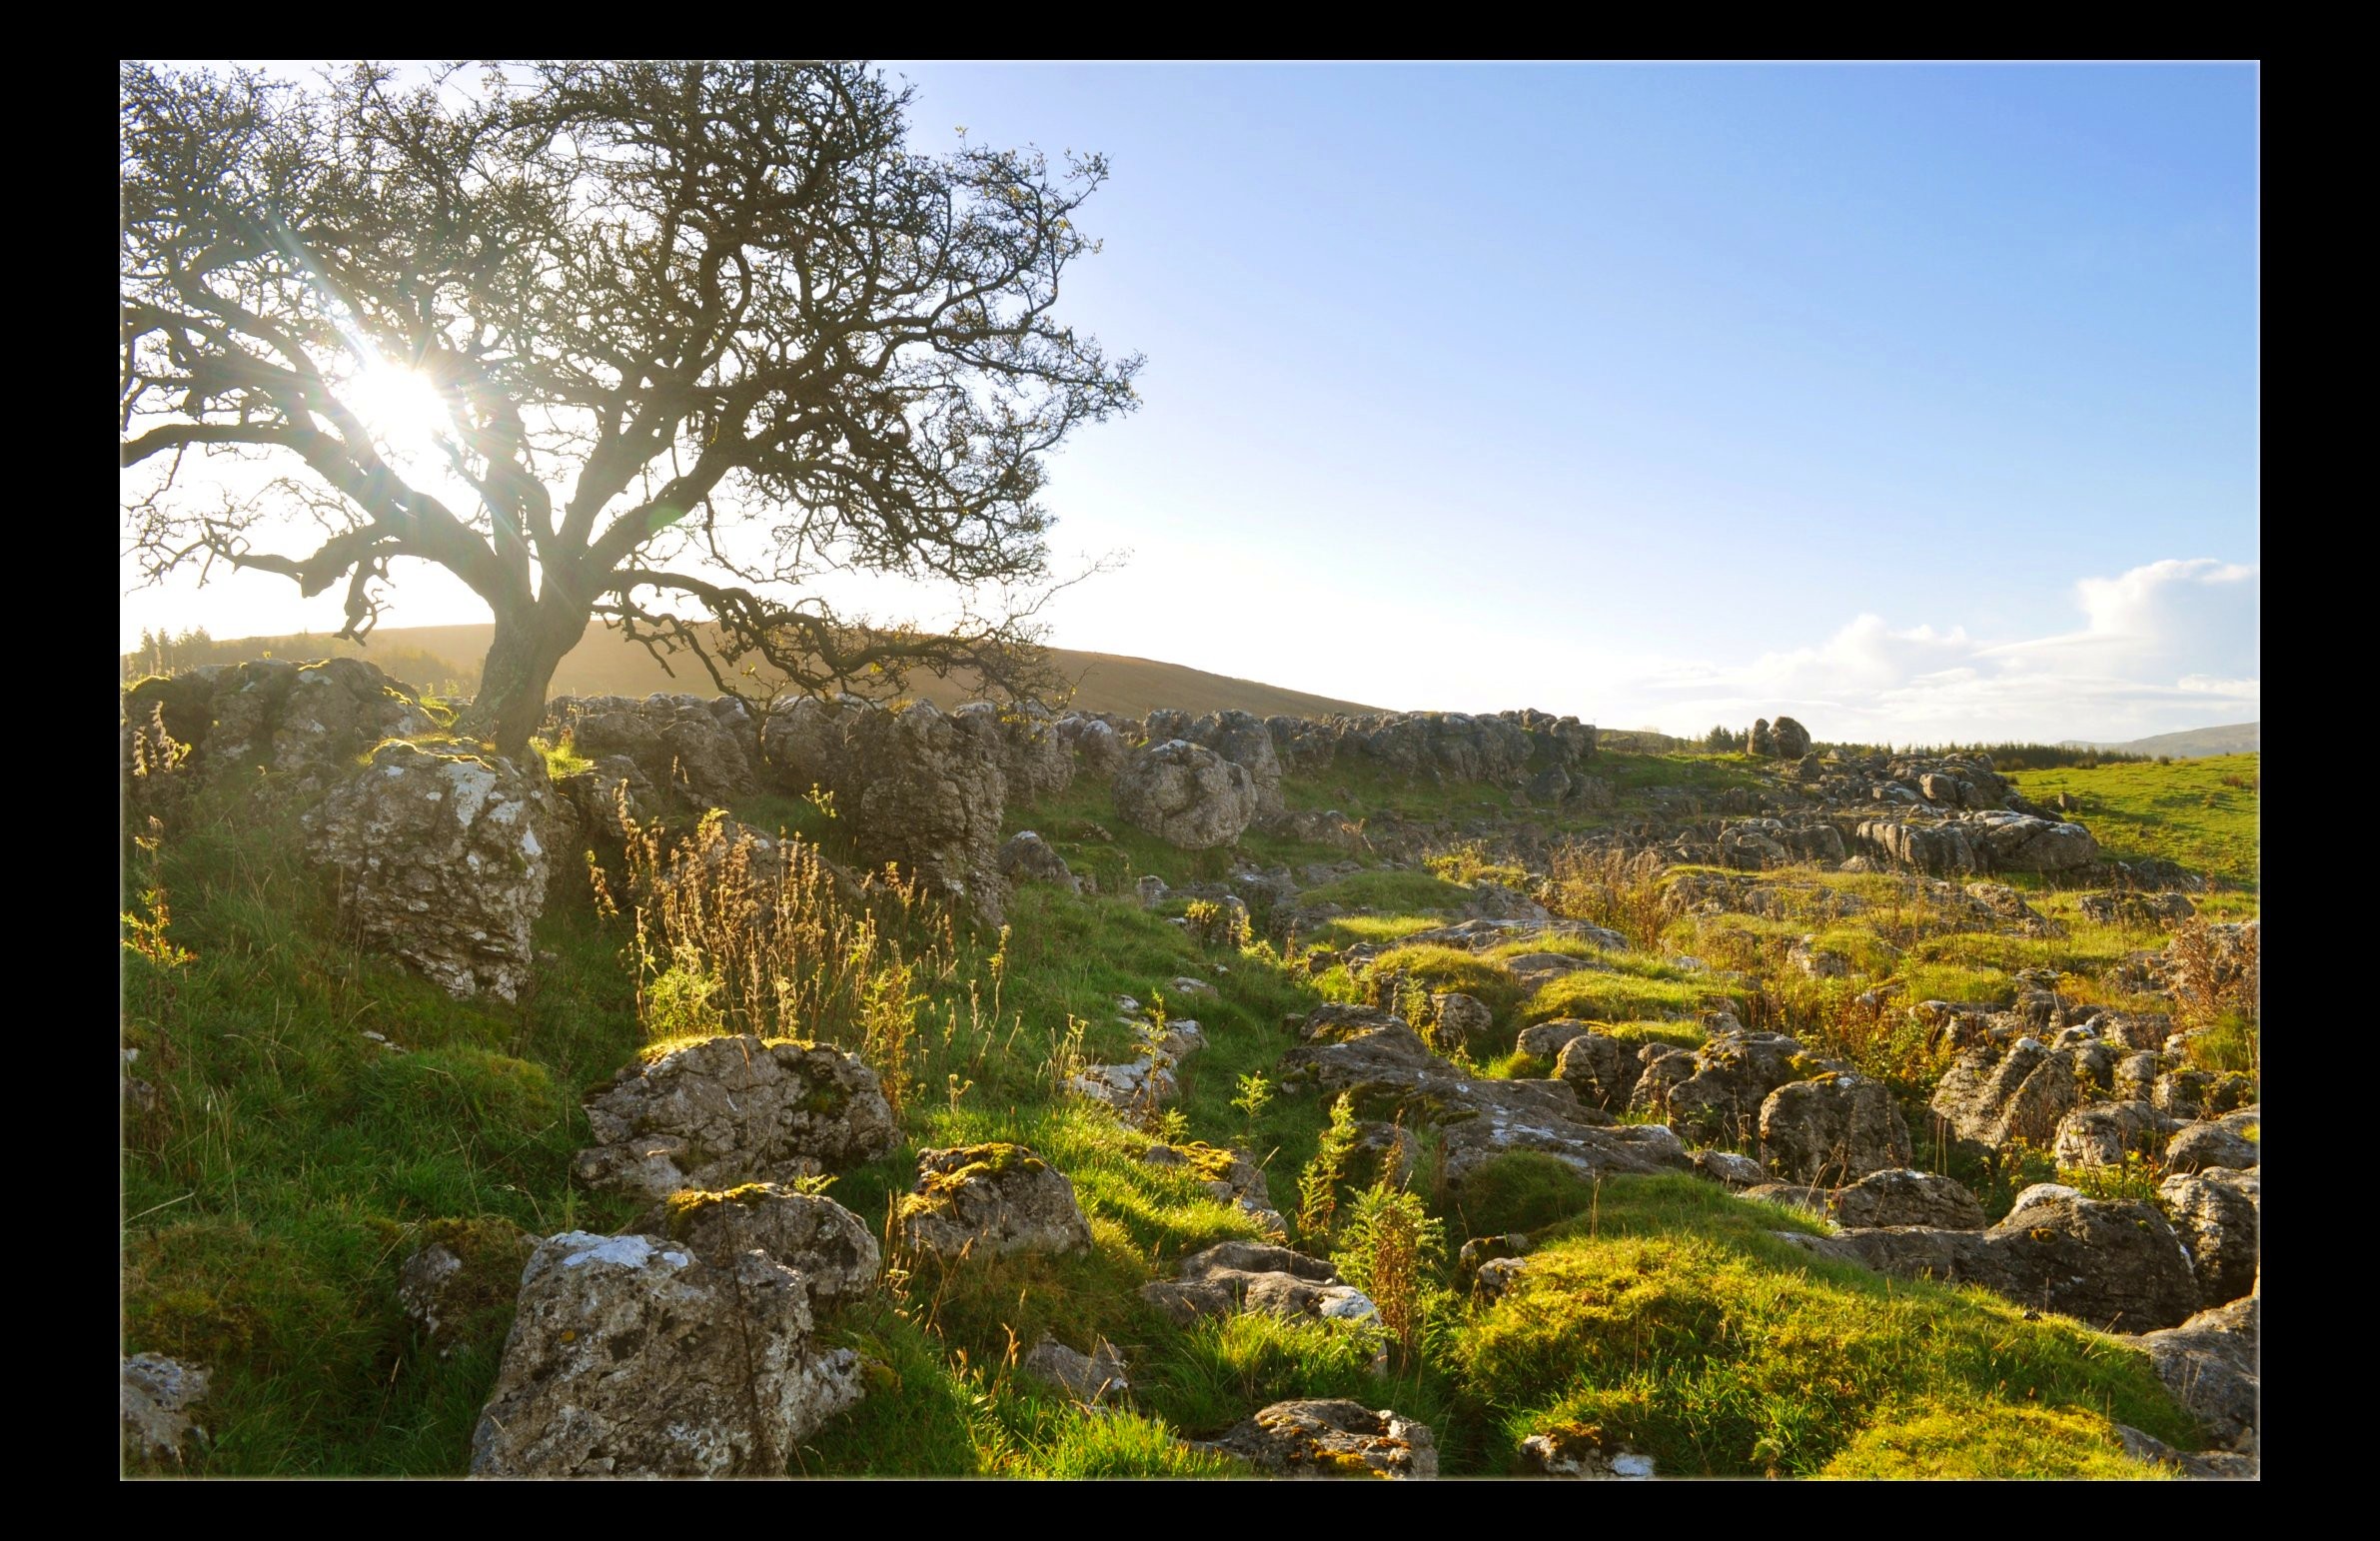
443, 861
1243, 739
1333, 1439
159, 1396
1793, 739
1026, 858
2114, 1266
1991, 1097
993, 1200
1186, 795
1247, 1276
631, 1357
2206, 1146
832, 1248
2218, 1214
1094, 1378
1588, 1453
2209, 1364
727, 1111
918, 791
1899, 1197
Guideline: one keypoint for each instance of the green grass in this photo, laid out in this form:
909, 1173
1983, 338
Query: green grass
1634, 989
1380, 888
2181, 812
1991, 1441
1670, 1317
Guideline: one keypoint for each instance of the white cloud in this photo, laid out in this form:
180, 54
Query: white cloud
2168, 645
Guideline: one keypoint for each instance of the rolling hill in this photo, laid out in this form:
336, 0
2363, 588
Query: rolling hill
447, 657
2195, 743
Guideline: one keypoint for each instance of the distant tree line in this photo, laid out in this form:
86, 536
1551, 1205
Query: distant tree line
2016, 757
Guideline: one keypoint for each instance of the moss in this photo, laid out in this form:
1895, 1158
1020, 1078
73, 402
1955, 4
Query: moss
683, 1208
1993, 1441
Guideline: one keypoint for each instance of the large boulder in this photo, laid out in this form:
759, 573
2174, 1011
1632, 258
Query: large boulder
443, 859
1186, 795
2104, 1134
2220, 1213
1719, 1096
1793, 739
727, 1111
1243, 739
2117, 1266
2204, 1147
1099, 751
918, 791
991, 1200
1332, 1439
1832, 1128
635, 1357
1092, 1379
832, 1248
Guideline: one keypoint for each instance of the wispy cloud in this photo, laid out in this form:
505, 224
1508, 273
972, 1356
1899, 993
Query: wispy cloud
2162, 647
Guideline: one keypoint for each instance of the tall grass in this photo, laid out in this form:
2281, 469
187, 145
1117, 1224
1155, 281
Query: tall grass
1609, 887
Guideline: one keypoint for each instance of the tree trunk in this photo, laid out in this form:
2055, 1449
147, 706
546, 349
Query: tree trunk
529, 646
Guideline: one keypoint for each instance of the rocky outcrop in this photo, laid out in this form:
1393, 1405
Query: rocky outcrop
1030, 752
308, 722
1186, 795
1238, 1276
1793, 739
1992, 842
160, 1398
727, 1112
1332, 1439
702, 750
635, 1357
1499, 747
1992, 1096
1099, 751
830, 1247
1900, 1197
1715, 1094
1243, 739
1832, 1128
918, 791
2117, 1266
2219, 1214
990, 1201
1379, 1058
443, 861
2209, 1364
2141, 909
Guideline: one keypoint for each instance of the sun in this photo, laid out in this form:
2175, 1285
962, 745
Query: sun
400, 406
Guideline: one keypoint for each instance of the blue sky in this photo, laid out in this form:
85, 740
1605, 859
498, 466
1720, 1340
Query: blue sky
1914, 400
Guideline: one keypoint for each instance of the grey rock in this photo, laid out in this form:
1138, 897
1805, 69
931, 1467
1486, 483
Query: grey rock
1899, 1197
2220, 1213
2210, 1365
631, 1357
443, 856
830, 1247
1992, 1096
1026, 858
991, 1200
160, 1398
1094, 1378
1247, 1276
1333, 1439
1186, 795
2204, 1147
727, 1111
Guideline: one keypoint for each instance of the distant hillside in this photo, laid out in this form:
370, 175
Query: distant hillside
2232, 738
448, 656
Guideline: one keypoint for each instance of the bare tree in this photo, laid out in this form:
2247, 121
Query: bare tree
699, 335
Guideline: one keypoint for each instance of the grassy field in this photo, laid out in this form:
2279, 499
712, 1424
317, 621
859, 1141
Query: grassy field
2200, 812
290, 1164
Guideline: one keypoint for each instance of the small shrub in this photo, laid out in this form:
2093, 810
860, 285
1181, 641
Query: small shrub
1394, 1251
1318, 1186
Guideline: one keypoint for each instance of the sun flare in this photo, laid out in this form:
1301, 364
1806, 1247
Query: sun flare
400, 406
